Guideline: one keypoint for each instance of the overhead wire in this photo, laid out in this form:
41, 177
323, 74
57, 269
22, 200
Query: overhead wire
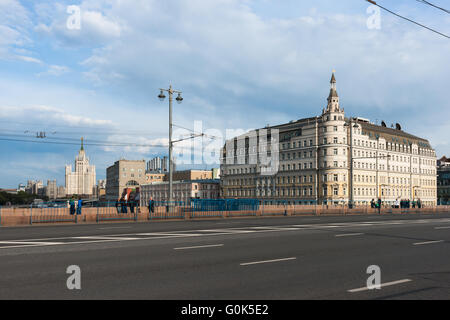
410, 20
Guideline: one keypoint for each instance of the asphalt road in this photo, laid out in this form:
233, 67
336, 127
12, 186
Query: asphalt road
251, 258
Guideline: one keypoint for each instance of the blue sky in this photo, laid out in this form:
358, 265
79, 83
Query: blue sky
241, 64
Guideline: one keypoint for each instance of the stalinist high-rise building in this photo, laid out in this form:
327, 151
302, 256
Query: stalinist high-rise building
82, 180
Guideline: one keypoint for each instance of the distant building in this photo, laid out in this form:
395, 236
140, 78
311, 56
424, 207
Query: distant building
51, 190
215, 173
443, 181
35, 187
182, 190
191, 175
61, 192
21, 188
158, 165
100, 189
82, 180
124, 174
154, 177
10, 191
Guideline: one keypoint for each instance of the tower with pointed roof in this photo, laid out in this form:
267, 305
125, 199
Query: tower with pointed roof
333, 98
82, 180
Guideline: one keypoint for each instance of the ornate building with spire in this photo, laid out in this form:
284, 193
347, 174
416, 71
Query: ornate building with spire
82, 180
331, 159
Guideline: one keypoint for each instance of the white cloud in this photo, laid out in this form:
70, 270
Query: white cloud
14, 25
49, 115
55, 70
96, 28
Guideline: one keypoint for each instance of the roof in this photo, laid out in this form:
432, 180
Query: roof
333, 93
392, 135
182, 181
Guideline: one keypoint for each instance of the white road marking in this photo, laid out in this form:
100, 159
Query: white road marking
267, 261
198, 247
105, 238
427, 242
349, 234
169, 234
382, 285
437, 228
228, 230
31, 243
114, 228
287, 228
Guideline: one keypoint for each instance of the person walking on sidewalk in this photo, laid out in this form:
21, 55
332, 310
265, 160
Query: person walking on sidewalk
80, 205
72, 206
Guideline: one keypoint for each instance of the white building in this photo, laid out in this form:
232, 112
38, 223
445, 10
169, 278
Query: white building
330, 159
82, 180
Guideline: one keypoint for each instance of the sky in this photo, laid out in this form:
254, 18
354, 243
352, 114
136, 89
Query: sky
240, 64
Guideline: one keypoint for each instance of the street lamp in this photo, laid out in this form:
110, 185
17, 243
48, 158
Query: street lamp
179, 99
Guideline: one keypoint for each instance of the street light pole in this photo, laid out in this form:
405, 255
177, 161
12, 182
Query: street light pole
179, 99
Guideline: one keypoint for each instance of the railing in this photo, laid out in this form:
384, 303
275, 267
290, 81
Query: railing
196, 209
167, 210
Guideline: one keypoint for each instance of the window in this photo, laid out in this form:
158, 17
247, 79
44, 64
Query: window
335, 152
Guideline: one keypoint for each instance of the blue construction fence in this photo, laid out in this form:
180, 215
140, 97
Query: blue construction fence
224, 204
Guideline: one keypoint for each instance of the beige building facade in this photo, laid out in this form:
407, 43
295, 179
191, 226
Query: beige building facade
124, 174
330, 159
182, 190
190, 175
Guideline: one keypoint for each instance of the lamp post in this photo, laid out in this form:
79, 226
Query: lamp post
179, 99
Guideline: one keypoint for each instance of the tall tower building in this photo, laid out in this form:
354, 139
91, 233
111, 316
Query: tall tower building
82, 180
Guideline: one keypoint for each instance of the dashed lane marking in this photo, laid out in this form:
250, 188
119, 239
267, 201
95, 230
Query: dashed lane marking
200, 247
267, 261
427, 242
387, 284
349, 234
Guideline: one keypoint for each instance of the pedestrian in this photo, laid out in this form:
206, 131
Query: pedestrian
379, 205
151, 205
137, 201
124, 205
72, 206
118, 205
131, 203
80, 204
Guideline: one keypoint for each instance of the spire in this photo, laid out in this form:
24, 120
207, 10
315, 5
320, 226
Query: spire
82, 148
333, 92
333, 98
